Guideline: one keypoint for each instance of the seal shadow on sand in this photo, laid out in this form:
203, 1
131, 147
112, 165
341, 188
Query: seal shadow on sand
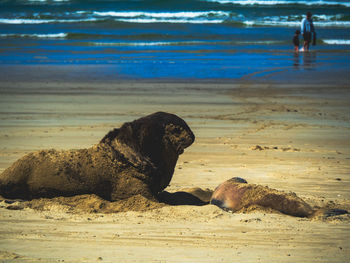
191, 196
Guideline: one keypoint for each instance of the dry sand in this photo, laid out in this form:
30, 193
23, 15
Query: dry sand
288, 137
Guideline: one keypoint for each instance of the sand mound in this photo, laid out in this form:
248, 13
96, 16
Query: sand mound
90, 203
95, 204
84, 204
257, 199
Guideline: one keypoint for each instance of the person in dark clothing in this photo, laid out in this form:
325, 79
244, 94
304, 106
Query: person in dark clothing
296, 40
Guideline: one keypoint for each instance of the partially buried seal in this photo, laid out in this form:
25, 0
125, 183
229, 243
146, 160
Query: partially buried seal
236, 194
137, 158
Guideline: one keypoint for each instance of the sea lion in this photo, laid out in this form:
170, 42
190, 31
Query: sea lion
137, 158
235, 194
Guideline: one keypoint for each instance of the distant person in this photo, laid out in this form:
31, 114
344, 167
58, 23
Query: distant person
307, 29
296, 40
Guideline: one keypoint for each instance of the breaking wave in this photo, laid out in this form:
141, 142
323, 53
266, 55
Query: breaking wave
282, 2
208, 17
336, 41
57, 35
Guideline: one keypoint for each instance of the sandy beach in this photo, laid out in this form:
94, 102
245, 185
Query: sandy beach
72, 71
290, 137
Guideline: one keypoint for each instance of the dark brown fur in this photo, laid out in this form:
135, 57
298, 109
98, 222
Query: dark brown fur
138, 158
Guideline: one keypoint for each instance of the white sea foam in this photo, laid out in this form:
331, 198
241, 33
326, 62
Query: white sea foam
48, 0
315, 17
155, 20
281, 2
260, 42
23, 21
57, 35
337, 41
296, 23
144, 44
322, 21
167, 17
132, 14
134, 17
333, 24
42, 21
271, 23
179, 43
209, 17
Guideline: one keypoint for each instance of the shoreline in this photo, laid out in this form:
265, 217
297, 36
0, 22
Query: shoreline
277, 66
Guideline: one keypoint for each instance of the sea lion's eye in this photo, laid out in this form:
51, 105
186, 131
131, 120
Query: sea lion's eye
174, 129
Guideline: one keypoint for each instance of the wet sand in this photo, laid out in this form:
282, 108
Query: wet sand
290, 137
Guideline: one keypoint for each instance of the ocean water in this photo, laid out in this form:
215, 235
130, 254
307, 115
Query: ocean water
226, 39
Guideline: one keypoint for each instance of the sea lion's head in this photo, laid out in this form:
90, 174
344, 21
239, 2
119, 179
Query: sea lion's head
160, 137
177, 135
155, 134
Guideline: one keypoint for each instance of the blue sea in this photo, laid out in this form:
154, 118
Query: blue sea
174, 39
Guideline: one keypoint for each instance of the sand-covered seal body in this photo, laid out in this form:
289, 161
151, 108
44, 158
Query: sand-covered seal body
235, 194
137, 158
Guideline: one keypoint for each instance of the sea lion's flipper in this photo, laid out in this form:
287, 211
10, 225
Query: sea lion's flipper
325, 213
335, 212
130, 184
